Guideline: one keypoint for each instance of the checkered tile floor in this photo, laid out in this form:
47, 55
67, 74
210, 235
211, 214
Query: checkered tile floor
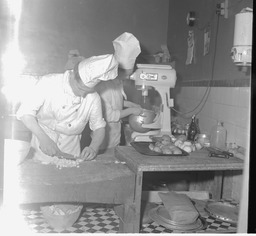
102, 219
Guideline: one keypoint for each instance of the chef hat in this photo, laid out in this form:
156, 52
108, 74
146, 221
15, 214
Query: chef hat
94, 69
127, 48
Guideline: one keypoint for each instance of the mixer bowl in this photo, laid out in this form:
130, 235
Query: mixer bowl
136, 121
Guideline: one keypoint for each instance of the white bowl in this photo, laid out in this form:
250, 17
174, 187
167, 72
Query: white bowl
58, 221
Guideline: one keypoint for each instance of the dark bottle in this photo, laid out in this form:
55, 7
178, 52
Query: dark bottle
193, 129
197, 124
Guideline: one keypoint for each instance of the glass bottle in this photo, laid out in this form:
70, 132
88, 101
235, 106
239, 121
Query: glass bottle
193, 129
197, 125
186, 129
218, 136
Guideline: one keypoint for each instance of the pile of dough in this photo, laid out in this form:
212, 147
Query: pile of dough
61, 163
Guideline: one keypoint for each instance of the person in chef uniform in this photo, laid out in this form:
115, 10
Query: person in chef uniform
58, 109
115, 105
60, 106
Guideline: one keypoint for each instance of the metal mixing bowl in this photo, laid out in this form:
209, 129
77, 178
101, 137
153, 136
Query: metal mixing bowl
136, 121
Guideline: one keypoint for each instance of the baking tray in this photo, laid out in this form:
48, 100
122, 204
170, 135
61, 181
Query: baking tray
223, 211
143, 148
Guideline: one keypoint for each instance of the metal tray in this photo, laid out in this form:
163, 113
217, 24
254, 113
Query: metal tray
143, 148
223, 211
159, 216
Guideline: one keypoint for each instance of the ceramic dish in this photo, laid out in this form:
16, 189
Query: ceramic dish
143, 148
223, 211
161, 217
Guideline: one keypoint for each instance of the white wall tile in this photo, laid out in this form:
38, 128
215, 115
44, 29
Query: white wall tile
228, 113
231, 132
212, 95
241, 117
242, 137
218, 95
201, 93
224, 95
231, 105
222, 112
206, 123
234, 96
217, 111
244, 97
208, 110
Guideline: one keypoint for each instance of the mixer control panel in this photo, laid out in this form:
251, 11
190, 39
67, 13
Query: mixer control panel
152, 76
149, 76
161, 76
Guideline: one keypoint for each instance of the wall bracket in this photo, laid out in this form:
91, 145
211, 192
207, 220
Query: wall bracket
222, 9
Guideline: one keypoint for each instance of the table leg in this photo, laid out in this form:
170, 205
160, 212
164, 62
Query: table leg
137, 201
232, 182
126, 215
217, 185
130, 214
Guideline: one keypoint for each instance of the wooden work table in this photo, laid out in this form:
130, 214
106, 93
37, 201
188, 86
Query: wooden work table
114, 177
196, 161
103, 180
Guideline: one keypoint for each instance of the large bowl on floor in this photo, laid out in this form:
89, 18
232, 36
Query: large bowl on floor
61, 216
136, 121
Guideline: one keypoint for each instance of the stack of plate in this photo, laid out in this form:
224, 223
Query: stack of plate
161, 216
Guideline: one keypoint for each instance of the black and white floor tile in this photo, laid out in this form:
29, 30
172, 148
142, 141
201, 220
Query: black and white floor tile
102, 219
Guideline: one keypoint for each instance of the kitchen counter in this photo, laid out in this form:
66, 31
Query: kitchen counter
196, 161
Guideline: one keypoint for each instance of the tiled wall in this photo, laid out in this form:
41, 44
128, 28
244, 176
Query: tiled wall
228, 104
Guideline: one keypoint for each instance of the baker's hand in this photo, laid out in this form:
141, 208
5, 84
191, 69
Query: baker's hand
88, 154
49, 147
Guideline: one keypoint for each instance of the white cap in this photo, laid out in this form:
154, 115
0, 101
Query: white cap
127, 48
94, 69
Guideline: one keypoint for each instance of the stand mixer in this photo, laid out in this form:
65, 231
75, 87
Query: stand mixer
161, 78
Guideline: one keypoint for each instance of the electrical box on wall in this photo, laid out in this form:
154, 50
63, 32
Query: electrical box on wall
241, 51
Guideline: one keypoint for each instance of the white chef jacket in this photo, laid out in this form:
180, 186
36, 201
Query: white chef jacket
112, 94
60, 113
